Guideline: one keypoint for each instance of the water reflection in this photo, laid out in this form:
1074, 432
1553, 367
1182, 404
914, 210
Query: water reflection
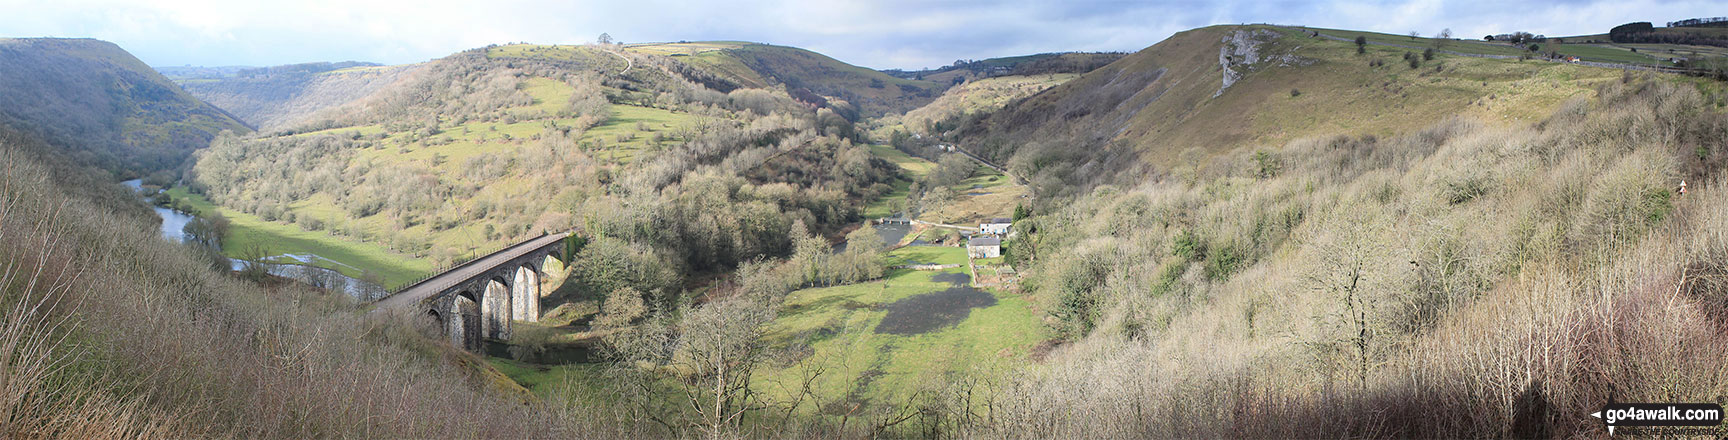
173, 222
174, 229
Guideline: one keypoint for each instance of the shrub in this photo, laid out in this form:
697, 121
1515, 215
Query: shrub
1188, 246
1221, 262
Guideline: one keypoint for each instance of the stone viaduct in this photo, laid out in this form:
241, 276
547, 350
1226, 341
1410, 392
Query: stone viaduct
477, 300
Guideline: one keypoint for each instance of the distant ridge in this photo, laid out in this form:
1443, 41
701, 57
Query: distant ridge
104, 106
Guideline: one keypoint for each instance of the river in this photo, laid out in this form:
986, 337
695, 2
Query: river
174, 226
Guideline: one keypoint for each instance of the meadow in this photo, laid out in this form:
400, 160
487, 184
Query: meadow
360, 260
1574, 46
843, 330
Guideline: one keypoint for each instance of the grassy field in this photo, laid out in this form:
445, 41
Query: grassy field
982, 95
987, 193
838, 327
914, 167
352, 258
684, 48
542, 380
1604, 52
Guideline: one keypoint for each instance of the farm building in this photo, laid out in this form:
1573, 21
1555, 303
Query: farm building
996, 226
984, 247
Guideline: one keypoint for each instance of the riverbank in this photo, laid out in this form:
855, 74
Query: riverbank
247, 232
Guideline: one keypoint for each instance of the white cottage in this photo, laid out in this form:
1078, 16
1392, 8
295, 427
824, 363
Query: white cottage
996, 226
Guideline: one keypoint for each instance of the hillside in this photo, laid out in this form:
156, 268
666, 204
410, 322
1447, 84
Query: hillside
754, 65
1210, 90
490, 145
108, 331
279, 97
1024, 65
981, 96
103, 105
1266, 220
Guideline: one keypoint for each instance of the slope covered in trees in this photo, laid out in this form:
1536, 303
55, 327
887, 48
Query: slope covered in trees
488, 146
102, 105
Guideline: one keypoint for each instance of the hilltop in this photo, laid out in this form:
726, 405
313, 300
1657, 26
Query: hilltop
103, 105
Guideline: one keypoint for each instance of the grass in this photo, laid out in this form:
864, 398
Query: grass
684, 48
545, 380
993, 338
983, 95
1342, 95
986, 194
1603, 52
354, 259
913, 167
838, 325
1001, 199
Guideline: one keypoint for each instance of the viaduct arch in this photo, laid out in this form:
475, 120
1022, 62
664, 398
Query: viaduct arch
477, 300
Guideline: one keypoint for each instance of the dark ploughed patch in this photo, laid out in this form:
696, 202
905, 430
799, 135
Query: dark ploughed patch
957, 279
932, 311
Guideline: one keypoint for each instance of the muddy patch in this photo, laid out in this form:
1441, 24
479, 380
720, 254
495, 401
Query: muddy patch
932, 311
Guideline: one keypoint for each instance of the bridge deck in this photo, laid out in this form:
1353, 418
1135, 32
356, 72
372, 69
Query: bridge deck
427, 289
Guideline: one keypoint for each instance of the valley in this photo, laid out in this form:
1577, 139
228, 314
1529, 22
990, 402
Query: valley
1227, 230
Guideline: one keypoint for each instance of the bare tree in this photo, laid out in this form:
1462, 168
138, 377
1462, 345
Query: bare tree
605, 38
1353, 270
707, 360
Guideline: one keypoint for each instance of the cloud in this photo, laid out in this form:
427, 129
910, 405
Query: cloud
878, 34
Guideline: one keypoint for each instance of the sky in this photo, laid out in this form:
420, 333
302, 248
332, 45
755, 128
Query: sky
875, 34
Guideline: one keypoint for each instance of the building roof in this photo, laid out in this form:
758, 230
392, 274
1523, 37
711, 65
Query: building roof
984, 241
998, 220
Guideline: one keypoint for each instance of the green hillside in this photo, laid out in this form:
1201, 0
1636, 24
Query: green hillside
103, 105
489, 146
